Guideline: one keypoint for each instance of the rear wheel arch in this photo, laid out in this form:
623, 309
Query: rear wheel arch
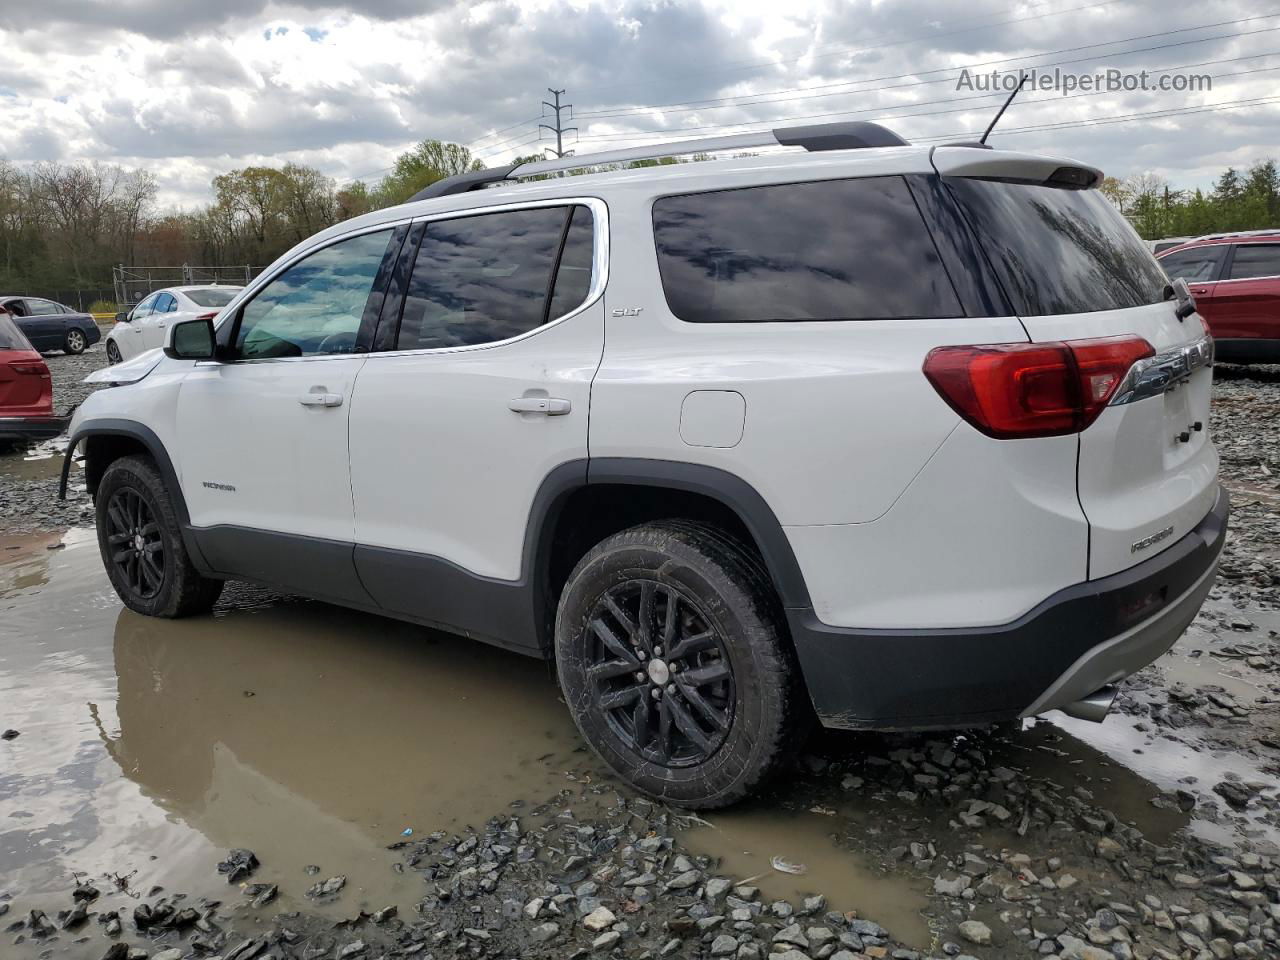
616, 493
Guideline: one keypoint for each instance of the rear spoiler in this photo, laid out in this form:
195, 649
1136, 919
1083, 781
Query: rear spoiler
979, 162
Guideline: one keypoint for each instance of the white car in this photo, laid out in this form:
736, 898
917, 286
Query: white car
143, 328
896, 436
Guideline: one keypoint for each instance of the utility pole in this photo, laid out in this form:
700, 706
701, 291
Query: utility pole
558, 130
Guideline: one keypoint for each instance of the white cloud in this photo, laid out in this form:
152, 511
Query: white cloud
190, 89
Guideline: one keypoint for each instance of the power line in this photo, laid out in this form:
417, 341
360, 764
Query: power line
1101, 121
841, 50
494, 133
614, 137
806, 93
559, 129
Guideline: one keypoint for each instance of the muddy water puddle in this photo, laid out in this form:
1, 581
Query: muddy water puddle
36, 462
311, 735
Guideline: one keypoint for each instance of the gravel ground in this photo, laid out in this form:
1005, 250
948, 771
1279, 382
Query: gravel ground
1025, 849
30, 503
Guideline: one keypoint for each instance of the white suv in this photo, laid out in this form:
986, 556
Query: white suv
893, 436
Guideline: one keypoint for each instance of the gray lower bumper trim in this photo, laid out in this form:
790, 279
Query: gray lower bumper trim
1127, 653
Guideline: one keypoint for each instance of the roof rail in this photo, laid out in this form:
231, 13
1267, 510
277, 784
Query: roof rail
815, 137
462, 182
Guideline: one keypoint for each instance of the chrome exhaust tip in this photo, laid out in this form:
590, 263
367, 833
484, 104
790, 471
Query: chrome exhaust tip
1095, 706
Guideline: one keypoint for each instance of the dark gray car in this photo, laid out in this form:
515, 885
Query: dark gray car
52, 326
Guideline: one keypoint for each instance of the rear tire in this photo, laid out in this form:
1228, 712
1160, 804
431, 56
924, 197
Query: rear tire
140, 540
75, 342
705, 719
113, 352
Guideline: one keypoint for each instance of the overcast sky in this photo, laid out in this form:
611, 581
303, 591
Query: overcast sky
191, 88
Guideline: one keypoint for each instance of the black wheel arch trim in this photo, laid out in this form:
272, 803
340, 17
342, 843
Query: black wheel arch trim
730, 490
118, 427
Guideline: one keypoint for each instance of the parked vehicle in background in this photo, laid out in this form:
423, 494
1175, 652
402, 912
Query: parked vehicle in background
52, 326
1167, 243
143, 327
1235, 279
900, 436
26, 389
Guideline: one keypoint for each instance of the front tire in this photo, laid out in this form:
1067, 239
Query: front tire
76, 341
113, 353
140, 540
673, 658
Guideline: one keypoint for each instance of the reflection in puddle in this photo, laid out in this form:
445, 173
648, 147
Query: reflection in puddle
748, 837
310, 735
35, 462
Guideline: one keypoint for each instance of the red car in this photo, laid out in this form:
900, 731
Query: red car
1235, 279
26, 389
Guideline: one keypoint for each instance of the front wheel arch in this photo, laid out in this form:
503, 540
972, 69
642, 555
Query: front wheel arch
106, 440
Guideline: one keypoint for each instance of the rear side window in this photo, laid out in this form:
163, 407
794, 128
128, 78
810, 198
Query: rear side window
11, 338
42, 308
1057, 250
1197, 264
824, 250
490, 277
1256, 260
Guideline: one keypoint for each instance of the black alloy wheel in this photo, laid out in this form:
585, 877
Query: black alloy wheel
672, 653
660, 673
133, 536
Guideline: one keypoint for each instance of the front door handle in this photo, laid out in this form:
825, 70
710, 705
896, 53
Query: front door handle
321, 399
551, 406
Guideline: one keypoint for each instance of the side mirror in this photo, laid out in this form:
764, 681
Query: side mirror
190, 340
122, 317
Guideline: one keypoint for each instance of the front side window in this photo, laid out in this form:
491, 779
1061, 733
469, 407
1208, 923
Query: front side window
493, 276
314, 307
144, 308
1199, 264
1256, 260
1058, 250
825, 250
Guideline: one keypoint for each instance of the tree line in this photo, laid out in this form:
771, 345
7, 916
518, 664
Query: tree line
1248, 200
66, 225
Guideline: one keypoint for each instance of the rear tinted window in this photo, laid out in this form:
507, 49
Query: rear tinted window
1196, 264
216, 297
1256, 260
1060, 251
827, 250
11, 337
485, 278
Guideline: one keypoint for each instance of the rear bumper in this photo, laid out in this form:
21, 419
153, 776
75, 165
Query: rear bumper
1068, 646
31, 428
1247, 350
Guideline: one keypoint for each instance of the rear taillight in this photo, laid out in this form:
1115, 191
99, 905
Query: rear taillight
30, 369
1016, 390
207, 316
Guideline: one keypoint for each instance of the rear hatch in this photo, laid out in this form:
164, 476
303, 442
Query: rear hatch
26, 388
1075, 269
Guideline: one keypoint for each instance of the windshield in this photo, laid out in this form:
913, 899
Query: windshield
11, 337
1057, 250
212, 296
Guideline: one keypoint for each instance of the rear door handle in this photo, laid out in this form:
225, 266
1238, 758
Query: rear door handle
551, 406
321, 399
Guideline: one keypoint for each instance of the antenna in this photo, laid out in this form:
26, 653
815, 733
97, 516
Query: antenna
1022, 78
